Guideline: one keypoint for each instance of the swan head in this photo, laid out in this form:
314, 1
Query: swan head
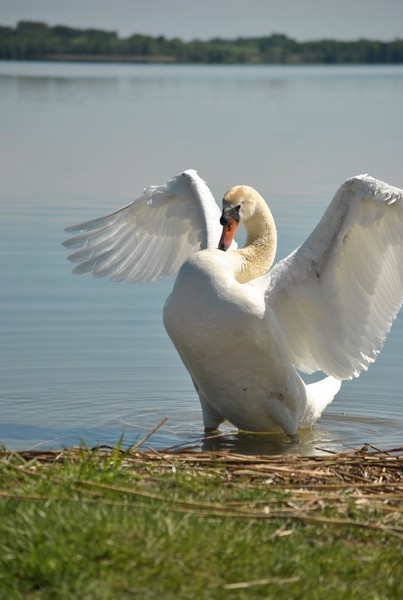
238, 206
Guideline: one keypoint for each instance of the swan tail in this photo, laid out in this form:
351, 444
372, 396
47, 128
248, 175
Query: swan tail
319, 395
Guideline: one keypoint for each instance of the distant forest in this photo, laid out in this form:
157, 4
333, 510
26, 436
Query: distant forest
37, 41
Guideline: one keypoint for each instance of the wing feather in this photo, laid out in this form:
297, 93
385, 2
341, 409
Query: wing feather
150, 237
337, 295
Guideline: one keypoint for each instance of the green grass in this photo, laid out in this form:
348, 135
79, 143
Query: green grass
100, 527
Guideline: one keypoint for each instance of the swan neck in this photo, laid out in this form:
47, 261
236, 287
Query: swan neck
261, 244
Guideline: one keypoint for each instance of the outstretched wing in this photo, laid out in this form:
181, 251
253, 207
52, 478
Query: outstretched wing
151, 237
337, 295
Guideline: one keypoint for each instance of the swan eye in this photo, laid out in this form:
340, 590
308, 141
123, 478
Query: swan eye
238, 208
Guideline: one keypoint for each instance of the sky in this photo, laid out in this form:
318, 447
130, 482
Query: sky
205, 19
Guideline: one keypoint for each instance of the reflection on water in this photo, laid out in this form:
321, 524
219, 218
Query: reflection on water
88, 359
333, 433
328, 436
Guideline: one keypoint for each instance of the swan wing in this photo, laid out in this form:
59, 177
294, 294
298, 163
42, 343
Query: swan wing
337, 295
150, 237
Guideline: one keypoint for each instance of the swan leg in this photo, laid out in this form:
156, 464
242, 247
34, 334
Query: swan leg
212, 419
282, 415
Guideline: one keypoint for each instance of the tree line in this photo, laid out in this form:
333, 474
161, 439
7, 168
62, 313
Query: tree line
37, 41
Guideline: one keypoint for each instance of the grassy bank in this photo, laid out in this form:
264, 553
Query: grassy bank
108, 524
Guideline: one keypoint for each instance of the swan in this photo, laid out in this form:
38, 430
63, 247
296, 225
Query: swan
244, 327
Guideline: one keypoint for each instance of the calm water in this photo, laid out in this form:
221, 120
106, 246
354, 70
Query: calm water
86, 358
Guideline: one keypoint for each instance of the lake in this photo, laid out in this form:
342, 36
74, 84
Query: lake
87, 359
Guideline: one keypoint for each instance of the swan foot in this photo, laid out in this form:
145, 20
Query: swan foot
294, 438
209, 431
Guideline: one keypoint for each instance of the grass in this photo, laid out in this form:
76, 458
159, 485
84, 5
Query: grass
108, 524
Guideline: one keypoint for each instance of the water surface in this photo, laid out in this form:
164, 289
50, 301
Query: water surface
86, 358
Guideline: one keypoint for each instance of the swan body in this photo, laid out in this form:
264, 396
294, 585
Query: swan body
242, 326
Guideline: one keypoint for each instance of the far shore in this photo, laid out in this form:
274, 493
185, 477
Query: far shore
110, 58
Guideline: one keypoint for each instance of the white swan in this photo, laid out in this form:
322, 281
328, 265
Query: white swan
242, 327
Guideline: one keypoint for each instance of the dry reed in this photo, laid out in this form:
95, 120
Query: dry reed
359, 488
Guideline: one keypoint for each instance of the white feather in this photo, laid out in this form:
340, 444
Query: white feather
327, 307
151, 237
336, 296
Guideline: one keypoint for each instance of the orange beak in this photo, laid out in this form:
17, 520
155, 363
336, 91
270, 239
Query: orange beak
228, 231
